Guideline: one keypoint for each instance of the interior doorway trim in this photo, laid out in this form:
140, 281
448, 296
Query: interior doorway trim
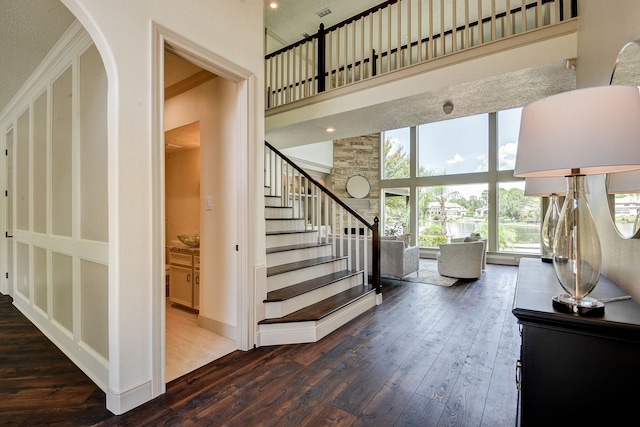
246, 81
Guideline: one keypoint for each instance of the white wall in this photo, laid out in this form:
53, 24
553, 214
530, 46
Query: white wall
130, 36
312, 157
604, 29
182, 190
61, 233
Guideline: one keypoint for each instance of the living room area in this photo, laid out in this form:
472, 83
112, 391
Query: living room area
435, 149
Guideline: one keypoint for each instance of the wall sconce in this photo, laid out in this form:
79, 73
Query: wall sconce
447, 107
574, 134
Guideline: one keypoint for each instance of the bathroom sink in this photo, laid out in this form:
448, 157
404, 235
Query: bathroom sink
192, 240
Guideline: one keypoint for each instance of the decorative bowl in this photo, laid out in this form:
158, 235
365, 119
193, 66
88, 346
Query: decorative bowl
192, 240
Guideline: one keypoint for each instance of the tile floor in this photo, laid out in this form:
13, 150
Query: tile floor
189, 346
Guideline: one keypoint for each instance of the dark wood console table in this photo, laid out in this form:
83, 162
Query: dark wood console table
574, 370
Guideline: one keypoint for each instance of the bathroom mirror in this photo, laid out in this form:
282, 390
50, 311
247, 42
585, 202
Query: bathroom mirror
623, 188
358, 187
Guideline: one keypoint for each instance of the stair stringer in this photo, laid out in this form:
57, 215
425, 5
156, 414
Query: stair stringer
313, 331
316, 311
275, 309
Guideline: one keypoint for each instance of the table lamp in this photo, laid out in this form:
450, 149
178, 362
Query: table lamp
553, 188
574, 134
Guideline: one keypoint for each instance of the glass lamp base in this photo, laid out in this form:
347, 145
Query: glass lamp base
587, 306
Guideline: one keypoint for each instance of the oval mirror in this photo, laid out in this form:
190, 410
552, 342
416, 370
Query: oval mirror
623, 194
358, 187
623, 188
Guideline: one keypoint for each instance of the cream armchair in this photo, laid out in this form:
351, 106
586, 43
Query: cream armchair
462, 260
474, 238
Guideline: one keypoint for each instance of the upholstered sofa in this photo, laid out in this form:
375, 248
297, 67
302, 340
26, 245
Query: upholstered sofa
462, 260
396, 259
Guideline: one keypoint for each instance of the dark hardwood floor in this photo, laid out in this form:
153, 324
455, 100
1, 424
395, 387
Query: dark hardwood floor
428, 356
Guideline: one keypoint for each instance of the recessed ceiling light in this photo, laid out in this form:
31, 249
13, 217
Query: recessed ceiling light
330, 129
273, 5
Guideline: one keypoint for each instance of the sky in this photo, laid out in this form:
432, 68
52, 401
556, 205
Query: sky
460, 145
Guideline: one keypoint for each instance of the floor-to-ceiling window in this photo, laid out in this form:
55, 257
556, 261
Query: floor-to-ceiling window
451, 178
396, 160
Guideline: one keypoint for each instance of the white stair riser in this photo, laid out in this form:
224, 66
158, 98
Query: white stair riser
299, 211
282, 308
275, 240
303, 332
278, 225
279, 258
280, 281
275, 212
272, 201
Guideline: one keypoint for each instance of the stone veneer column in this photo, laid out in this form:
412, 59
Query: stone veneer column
358, 155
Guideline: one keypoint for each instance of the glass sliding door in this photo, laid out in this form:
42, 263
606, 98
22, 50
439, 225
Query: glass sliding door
396, 202
451, 211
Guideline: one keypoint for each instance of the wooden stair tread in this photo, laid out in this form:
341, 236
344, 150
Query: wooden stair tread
295, 247
275, 233
323, 308
298, 265
308, 286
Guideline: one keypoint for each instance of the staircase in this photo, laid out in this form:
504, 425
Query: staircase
314, 283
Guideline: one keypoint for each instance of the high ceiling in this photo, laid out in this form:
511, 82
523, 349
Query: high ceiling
28, 31
30, 28
293, 19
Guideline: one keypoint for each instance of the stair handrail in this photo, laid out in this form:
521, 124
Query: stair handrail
329, 193
375, 248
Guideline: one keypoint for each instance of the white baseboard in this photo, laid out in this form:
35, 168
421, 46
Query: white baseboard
119, 403
95, 366
220, 328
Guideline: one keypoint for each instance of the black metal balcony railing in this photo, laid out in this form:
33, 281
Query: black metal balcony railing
397, 34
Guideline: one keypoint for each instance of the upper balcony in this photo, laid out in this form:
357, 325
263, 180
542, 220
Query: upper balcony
404, 48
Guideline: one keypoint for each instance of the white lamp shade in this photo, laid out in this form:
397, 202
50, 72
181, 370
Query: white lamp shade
624, 182
595, 130
542, 187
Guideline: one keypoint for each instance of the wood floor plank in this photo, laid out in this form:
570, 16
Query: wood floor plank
390, 402
427, 355
328, 415
502, 392
358, 395
465, 404
421, 411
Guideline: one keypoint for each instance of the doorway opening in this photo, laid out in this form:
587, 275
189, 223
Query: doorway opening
194, 333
